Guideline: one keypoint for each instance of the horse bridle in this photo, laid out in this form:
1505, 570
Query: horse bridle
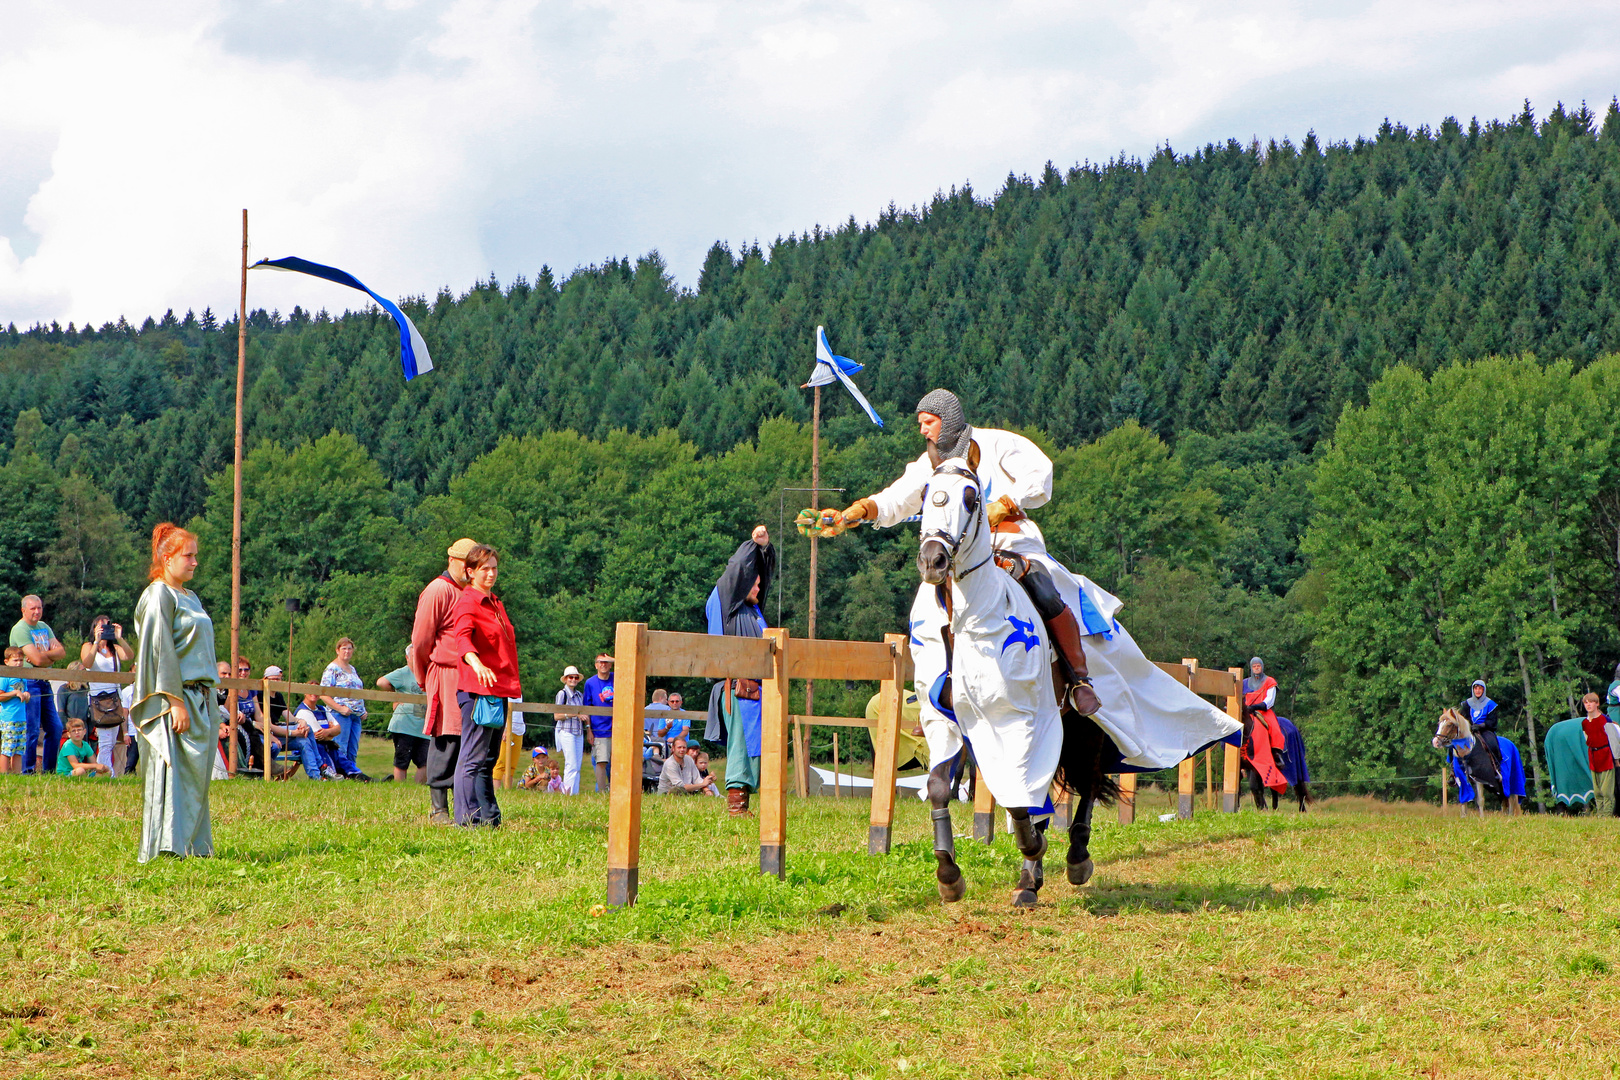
952, 543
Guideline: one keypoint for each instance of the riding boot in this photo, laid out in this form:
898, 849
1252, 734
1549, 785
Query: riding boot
441, 806
737, 802
1065, 632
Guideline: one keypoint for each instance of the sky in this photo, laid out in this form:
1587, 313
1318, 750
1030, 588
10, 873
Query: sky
420, 144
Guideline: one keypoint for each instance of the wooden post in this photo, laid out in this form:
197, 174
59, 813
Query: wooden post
773, 759
984, 810
624, 799
836, 793
236, 503
1186, 772
1443, 792
506, 753
264, 718
1209, 779
886, 752
1127, 798
1233, 770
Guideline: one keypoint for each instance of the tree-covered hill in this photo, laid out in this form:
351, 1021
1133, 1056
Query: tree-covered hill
1207, 292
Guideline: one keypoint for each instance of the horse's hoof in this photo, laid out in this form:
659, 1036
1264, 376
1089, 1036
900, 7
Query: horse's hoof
951, 892
1080, 872
1024, 898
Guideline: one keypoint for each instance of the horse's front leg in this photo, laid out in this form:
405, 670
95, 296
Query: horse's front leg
941, 778
1030, 836
1078, 863
1256, 789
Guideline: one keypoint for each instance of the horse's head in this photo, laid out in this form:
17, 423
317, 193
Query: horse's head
1453, 725
952, 519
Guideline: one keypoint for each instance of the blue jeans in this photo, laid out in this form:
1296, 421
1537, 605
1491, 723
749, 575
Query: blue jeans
348, 743
42, 720
334, 756
301, 748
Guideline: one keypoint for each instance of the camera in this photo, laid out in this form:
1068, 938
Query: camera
107, 633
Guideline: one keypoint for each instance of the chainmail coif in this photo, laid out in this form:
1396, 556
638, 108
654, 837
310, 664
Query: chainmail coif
955, 434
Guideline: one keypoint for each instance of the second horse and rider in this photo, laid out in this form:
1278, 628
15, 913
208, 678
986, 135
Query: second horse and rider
1018, 659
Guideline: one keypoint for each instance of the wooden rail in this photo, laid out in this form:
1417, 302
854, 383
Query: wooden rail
775, 660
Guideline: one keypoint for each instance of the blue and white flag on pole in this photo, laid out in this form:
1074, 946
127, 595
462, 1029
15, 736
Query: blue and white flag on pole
830, 367
413, 353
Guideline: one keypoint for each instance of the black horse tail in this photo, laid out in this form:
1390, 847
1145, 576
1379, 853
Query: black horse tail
1080, 765
1305, 795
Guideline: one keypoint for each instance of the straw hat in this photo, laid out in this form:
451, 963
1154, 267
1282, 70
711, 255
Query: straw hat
460, 548
570, 670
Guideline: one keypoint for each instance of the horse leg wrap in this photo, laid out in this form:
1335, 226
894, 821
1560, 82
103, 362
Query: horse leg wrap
1078, 864
944, 839
1030, 836
952, 886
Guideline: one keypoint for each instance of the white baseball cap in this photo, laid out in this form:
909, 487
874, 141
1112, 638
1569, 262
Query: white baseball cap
570, 670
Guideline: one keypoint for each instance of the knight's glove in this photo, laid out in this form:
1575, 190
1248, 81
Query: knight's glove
1003, 509
860, 510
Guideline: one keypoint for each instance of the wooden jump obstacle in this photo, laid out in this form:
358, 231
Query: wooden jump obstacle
775, 660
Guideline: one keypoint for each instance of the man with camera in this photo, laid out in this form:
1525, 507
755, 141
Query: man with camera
106, 651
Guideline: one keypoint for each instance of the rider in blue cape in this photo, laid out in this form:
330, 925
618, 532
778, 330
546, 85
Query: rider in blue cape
734, 608
1481, 713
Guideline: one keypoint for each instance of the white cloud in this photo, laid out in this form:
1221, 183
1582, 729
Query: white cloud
421, 144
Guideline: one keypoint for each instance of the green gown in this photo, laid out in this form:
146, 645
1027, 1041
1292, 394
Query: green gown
176, 657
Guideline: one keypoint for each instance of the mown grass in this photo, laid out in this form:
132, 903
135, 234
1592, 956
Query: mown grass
336, 934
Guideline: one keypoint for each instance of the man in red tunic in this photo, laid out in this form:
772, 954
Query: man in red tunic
1265, 744
437, 668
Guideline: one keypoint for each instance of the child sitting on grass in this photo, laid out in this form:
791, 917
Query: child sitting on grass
13, 715
542, 773
78, 756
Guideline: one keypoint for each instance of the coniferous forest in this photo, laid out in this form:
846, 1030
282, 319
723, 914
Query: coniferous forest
1348, 406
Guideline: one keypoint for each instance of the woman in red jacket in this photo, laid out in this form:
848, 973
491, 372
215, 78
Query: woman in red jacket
487, 645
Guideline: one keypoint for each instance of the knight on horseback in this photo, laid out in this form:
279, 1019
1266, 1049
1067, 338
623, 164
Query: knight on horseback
1481, 713
1151, 719
1265, 746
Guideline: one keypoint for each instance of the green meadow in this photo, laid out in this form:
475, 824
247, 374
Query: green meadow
336, 934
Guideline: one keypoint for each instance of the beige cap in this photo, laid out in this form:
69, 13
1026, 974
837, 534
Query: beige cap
570, 670
460, 548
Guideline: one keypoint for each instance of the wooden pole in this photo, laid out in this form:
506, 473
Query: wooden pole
801, 772
1209, 779
264, 718
1186, 772
1443, 792
984, 811
773, 760
886, 751
236, 503
1233, 771
1535, 749
1127, 798
836, 793
624, 798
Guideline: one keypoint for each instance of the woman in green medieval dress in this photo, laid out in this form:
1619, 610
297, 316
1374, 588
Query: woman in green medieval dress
174, 679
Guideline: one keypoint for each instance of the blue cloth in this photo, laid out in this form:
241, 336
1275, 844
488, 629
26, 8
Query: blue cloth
1295, 769
1512, 774
830, 366
599, 694
413, 353
42, 721
712, 615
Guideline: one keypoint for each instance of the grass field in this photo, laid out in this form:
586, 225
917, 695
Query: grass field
336, 934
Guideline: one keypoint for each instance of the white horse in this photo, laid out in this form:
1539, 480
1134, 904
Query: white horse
998, 690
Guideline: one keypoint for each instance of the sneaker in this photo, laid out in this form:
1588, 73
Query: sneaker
328, 773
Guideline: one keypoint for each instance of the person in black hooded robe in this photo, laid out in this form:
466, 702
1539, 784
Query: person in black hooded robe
735, 607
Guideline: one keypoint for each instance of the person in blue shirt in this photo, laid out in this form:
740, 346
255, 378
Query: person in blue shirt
678, 728
599, 692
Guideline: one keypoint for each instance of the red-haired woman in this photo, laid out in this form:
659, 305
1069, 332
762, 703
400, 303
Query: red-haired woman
487, 646
174, 680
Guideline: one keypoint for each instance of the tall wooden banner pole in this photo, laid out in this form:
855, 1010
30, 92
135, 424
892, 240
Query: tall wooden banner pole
236, 502
801, 753
624, 798
1233, 768
773, 759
